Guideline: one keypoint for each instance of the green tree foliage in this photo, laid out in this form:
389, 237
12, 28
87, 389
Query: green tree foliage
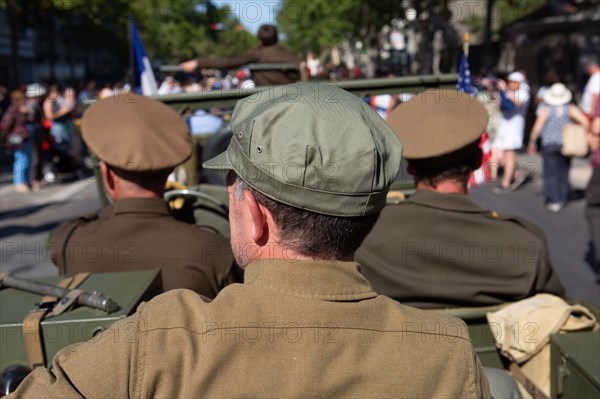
172, 30
312, 24
503, 12
232, 40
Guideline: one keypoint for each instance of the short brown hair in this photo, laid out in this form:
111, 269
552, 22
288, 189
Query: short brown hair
313, 234
267, 35
458, 170
149, 180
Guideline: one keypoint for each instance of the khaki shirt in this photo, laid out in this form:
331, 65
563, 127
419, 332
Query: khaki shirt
273, 54
443, 250
140, 233
297, 329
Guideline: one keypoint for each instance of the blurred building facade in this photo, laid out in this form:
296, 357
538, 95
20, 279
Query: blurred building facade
47, 54
556, 38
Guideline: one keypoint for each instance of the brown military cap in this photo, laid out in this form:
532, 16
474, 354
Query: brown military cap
136, 133
439, 127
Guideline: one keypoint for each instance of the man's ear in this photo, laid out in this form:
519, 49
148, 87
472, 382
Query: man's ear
108, 177
259, 218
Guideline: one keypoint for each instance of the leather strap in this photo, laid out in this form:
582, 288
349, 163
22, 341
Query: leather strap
32, 335
529, 385
32, 324
77, 280
64, 303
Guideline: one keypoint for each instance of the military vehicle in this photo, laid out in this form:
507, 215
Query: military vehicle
40, 317
573, 362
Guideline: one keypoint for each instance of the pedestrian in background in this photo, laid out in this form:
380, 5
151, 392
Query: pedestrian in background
17, 134
549, 125
490, 99
591, 91
514, 102
59, 112
549, 79
34, 93
592, 193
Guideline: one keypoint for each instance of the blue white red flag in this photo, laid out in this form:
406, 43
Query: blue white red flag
145, 83
465, 84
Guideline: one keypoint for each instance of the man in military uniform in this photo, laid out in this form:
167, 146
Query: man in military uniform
307, 180
439, 248
269, 51
139, 141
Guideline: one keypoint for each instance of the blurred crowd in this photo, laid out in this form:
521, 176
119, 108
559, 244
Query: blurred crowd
213, 81
39, 125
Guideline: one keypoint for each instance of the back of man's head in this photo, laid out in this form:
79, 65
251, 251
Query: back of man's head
319, 159
267, 34
132, 183
140, 140
441, 130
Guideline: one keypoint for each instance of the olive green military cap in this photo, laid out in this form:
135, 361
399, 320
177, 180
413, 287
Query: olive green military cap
136, 133
439, 127
313, 146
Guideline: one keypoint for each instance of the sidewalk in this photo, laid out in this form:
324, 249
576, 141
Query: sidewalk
579, 175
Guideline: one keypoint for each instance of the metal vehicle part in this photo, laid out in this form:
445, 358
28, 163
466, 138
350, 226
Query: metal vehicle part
94, 300
79, 324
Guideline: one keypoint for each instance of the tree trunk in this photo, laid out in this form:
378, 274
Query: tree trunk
50, 41
13, 69
487, 44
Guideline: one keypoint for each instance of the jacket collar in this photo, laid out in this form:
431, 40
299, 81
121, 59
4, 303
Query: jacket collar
449, 202
322, 280
156, 206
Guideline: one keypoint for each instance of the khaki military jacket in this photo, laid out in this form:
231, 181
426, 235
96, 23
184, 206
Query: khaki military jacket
444, 250
140, 233
273, 54
294, 329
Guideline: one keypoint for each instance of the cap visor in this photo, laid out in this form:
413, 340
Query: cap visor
220, 162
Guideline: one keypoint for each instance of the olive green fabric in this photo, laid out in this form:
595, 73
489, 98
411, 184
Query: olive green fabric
293, 330
438, 250
139, 234
314, 147
437, 123
136, 133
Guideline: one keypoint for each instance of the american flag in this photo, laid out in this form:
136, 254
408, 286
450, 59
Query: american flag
480, 175
465, 85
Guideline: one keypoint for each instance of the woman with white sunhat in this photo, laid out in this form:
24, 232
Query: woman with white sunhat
548, 126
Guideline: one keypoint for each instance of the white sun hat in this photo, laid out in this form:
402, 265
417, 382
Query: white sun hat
516, 77
557, 94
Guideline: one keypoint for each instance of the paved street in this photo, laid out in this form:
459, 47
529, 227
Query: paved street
26, 221
566, 231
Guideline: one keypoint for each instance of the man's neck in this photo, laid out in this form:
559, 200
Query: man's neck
277, 251
135, 194
446, 187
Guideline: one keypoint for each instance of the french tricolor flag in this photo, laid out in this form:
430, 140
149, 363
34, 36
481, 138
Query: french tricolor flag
145, 83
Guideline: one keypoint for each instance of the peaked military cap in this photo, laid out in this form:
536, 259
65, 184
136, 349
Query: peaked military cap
313, 146
439, 127
136, 133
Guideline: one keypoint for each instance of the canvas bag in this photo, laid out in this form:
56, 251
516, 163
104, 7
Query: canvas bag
522, 331
594, 134
575, 141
